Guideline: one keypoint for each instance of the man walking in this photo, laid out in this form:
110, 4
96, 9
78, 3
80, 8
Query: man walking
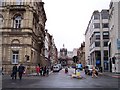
21, 69
14, 72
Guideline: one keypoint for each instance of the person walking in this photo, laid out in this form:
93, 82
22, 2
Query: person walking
21, 69
47, 71
37, 70
41, 71
44, 71
94, 72
14, 72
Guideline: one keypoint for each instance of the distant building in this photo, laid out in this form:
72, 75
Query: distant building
75, 52
70, 57
51, 54
81, 54
63, 56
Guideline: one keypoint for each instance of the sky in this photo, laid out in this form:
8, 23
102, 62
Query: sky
67, 20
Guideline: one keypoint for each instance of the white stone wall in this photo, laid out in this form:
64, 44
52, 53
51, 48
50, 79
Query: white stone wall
115, 34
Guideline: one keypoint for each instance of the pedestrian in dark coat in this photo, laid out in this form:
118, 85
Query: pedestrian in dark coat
44, 71
47, 71
41, 70
14, 72
21, 69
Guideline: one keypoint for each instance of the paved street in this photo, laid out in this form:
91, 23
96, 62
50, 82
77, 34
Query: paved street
61, 80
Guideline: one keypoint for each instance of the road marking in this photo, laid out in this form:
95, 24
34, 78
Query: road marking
116, 76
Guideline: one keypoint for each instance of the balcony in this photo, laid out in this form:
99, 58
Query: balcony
17, 7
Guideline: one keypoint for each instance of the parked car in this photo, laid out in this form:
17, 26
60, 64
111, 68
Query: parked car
89, 68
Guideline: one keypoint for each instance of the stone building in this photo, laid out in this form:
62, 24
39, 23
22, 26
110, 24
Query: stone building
114, 42
70, 58
81, 54
23, 34
51, 54
63, 56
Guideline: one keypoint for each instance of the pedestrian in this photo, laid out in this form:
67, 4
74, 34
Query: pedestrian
41, 71
44, 71
14, 72
47, 71
21, 69
80, 66
94, 72
37, 70
51, 68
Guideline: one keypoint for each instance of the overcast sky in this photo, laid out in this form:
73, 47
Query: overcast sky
67, 20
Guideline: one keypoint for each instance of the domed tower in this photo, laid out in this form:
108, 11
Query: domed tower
63, 56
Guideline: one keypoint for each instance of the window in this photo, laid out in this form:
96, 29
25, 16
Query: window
105, 55
17, 22
15, 55
97, 16
105, 35
105, 43
2, 2
105, 25
96, 25
98, 56
97, 44
105, 14
1, 19
18, 2
97, 35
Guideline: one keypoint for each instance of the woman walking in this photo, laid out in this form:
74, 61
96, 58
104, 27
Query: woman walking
37, 70
94, 72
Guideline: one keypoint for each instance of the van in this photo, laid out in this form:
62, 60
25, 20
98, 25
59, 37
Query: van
60, 66
56, 68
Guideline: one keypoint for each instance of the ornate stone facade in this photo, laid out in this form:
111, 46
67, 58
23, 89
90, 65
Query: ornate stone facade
23, 34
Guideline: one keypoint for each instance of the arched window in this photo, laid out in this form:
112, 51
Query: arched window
1, 19
15, 41
17, 21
